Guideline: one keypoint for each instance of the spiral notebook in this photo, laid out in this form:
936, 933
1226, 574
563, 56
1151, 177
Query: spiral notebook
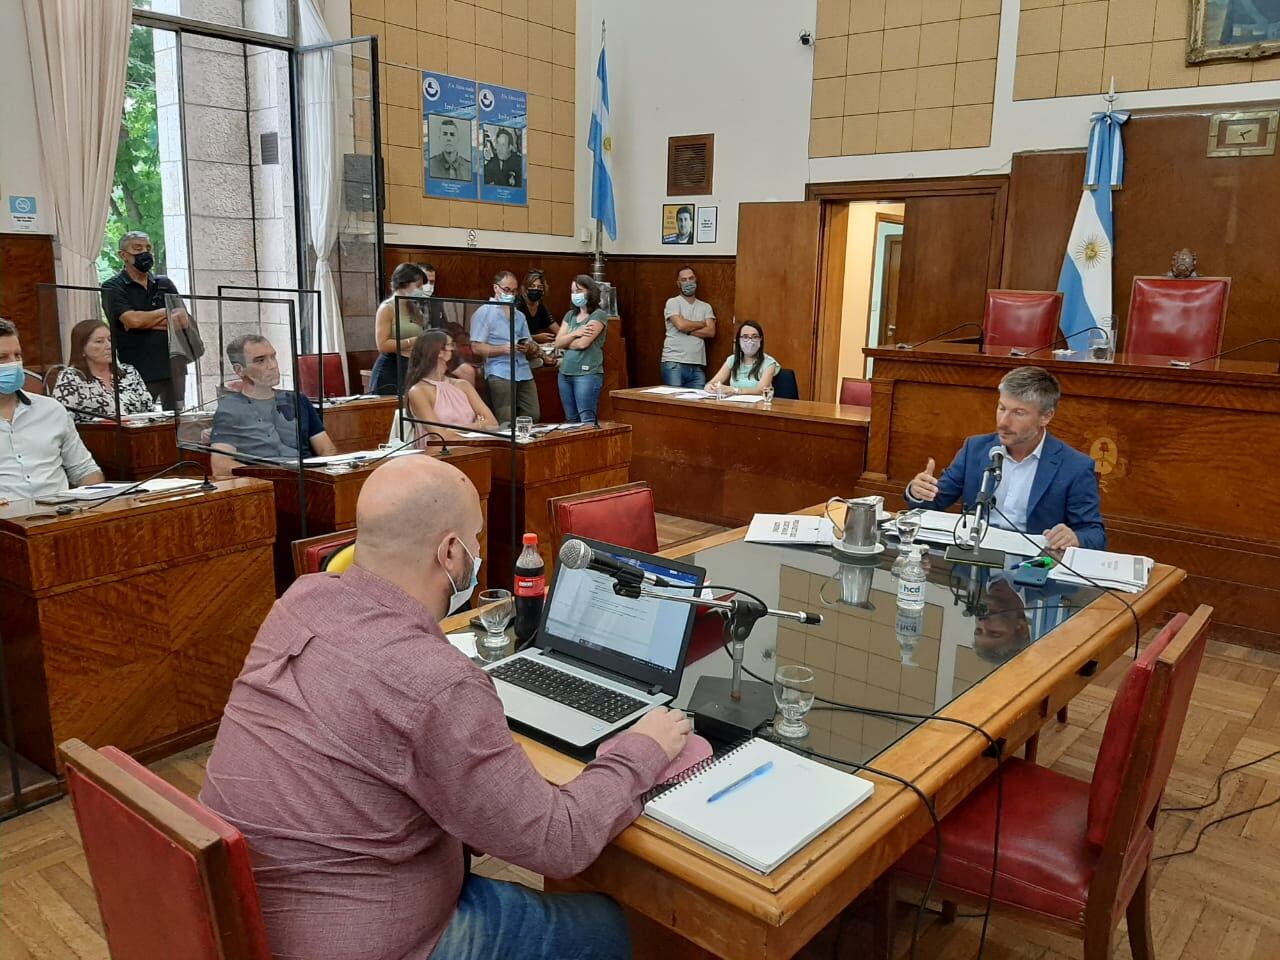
764, 819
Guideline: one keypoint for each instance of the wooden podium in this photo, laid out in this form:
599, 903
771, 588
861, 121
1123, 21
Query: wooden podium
130, 451
128, 624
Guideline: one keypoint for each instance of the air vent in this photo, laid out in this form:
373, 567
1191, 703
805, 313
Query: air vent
270, 144
689, 165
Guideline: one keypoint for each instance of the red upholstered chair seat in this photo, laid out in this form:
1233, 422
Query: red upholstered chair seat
855, 392
1021, 318
313, 554
309, 366
1177, 318
1044, 865
622, 515
172, 878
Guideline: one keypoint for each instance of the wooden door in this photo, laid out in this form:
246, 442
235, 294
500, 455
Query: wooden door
890, 274
951, 252
776, 282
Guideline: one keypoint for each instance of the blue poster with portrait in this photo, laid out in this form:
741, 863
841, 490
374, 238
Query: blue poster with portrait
448, 136
504, 125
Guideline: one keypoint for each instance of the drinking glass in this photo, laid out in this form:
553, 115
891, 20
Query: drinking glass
1100, 348
767, 393
793, 689
718, 390
524, 428
907, 523
496, 607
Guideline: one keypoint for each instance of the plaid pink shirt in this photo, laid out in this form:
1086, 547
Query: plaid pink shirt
359, 751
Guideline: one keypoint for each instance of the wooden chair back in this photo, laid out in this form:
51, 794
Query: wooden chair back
312, 554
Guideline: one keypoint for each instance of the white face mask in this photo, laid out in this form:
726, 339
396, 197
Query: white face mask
428, 289
749, 347
460, 596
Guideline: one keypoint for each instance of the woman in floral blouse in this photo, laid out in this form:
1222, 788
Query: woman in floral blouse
87, 386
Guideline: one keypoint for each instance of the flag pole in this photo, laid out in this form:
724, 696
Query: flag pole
597, 267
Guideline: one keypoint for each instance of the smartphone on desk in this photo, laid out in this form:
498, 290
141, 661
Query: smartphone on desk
1029, 576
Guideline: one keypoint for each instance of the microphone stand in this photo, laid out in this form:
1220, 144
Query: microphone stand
958, 326
973, 552
725, 709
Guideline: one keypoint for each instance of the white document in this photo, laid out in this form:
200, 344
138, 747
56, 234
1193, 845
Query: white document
744, 398
666, 391
1119, 571
950, 528
357, 456
764, 819
168, 485
149, 416
466, 642
790, 529
99, 491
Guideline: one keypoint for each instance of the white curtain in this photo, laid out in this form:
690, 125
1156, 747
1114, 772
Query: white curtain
79, 50
320, 171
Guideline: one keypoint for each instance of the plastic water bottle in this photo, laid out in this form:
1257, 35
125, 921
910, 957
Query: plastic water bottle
911, 581
531, 589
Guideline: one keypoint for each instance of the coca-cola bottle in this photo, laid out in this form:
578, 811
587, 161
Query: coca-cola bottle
531, 588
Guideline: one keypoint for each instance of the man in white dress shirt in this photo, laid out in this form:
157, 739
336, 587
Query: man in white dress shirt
41, 454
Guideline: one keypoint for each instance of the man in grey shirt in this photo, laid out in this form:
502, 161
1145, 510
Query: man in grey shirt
41, 454
690, 324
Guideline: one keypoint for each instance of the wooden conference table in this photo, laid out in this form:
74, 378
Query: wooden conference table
687, 901
721, 461
329, 501
1185, 458
127, 625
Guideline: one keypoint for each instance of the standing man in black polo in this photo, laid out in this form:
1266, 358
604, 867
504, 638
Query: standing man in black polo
134, 303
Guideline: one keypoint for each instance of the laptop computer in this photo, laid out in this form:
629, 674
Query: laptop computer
601, 660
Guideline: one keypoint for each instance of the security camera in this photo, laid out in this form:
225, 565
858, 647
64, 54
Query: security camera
806, 38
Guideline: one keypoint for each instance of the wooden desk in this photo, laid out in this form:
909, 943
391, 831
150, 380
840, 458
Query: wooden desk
565, 461
687, 901
723, 462
1184, 459
331, 501
127, 625
130, 452
360, 424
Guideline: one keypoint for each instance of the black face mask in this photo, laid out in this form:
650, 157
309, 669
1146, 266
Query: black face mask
143, 262
533, 295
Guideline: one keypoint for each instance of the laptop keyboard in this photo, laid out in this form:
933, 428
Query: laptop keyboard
566, 688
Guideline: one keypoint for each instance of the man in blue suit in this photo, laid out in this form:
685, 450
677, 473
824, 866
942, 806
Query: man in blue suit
1047, 487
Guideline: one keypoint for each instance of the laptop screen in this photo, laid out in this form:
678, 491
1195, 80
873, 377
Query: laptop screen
645, 639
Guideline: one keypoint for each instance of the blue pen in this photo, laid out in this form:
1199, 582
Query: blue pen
759, 771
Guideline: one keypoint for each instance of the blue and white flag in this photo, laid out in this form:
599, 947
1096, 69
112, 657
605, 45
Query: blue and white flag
1085, 280
601, 146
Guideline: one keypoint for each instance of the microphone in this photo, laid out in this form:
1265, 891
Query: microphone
1186, 364
995, 470
1019, 352
576, 555
206, 487
958, 326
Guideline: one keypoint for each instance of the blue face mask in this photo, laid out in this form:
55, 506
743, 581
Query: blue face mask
578, 299
460, 596
505, 297
11, 377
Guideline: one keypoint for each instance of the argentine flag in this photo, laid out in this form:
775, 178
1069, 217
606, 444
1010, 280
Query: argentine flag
1085, 280
601, 146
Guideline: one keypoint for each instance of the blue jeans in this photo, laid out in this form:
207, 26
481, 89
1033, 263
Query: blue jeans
683, 375
580, 396
499, 919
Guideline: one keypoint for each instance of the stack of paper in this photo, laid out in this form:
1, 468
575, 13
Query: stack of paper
1116, 571
744, 398
791, 529
668, 391
950, 528
356, 457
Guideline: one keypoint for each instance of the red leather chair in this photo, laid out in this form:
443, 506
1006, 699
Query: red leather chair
309, 365
1075, 856
1177, 318
854, 392
313, 554
172, 878
1021, 318
622, 515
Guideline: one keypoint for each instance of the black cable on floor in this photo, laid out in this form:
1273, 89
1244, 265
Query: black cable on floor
1217, 795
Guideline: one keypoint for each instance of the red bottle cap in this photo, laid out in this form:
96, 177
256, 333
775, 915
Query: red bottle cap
530, 539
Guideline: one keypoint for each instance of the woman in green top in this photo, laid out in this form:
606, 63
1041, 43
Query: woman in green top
581, 337
750, 369
396, 343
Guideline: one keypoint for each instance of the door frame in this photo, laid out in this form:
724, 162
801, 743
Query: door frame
879, 259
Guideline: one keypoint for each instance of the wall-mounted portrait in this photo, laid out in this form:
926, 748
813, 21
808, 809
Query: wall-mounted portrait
677, 223
1233, 30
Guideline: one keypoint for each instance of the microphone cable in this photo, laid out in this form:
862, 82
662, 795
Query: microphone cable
207, 486
1217, 794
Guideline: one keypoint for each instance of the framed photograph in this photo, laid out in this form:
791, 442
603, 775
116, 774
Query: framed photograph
707, 224
1233, 30
677, 223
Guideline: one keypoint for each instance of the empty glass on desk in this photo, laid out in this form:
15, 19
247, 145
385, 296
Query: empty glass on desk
524, 428
496, 607
793, 692
907, 523
767, 393
1101, 348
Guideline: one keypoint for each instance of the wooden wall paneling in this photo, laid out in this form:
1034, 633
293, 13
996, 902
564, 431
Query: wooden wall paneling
653, 282
1044, 192
835, 239
951, 255
25, 260
778, 250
